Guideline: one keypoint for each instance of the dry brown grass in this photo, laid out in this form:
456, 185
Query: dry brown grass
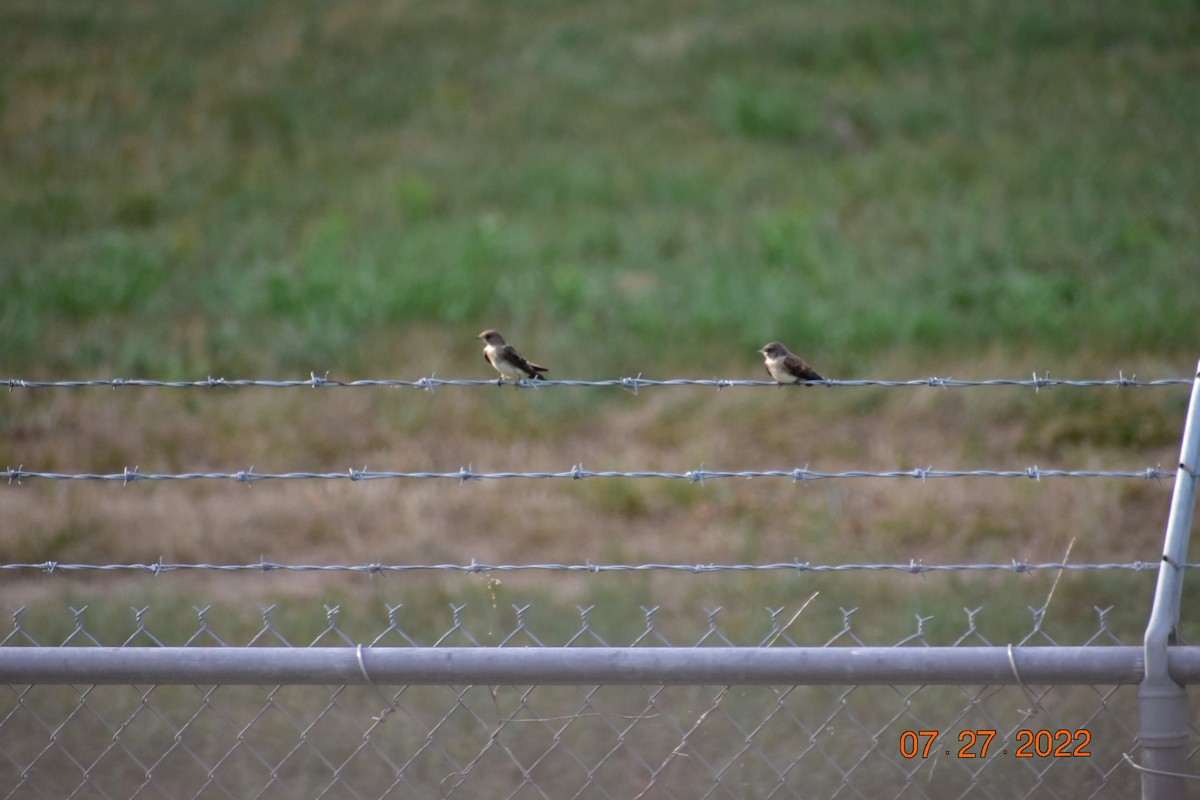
598, 520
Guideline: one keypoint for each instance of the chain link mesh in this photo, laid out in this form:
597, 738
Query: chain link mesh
583, 741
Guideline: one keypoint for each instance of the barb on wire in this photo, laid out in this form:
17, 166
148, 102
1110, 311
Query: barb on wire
465, 474
913, 567
631, 384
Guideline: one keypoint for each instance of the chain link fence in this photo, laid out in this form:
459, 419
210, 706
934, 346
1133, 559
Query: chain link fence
375, 739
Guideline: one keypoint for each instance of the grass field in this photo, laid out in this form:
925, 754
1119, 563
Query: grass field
275, 185
264, 189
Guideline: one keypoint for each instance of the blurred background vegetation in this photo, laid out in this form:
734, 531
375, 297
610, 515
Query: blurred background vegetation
255, 186
261, 188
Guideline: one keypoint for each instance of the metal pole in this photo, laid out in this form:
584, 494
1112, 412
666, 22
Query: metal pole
1162, 702
603, 666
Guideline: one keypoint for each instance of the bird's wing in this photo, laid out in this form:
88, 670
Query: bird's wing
798, 367
529, 369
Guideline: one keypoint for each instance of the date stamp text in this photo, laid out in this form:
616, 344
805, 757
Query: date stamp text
1061, 743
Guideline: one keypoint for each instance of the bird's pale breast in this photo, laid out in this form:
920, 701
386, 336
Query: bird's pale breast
778, 370
503, 365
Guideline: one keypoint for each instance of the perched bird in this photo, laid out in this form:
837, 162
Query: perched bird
508, 362
787, 367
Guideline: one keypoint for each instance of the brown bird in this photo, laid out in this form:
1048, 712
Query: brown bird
507, 361
787, 367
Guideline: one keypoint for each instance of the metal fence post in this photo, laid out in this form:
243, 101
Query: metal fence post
1162, 703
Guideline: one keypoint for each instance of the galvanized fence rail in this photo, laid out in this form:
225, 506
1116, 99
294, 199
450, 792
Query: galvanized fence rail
568, 712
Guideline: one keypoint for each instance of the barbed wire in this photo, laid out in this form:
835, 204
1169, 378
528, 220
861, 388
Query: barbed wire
633, 384
914, 566
577, 472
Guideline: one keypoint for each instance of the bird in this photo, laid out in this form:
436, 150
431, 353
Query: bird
507, 361
787, 367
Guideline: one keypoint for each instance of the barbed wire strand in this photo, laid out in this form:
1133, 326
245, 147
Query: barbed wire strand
464, 474
915, 567
633, 384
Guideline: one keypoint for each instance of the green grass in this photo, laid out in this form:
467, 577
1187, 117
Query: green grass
281, 186
254, 188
